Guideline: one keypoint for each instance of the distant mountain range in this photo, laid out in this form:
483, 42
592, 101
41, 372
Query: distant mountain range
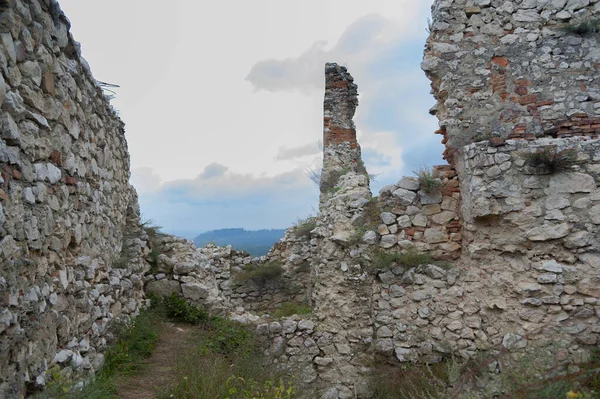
256, 243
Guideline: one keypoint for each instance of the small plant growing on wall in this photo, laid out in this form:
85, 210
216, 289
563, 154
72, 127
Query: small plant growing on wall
582, 27
269, 272
551, 160
305, 226
428, 182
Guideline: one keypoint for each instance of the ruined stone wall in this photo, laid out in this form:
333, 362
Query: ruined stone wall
427, 221
341, 151
530, 270
70, 242
209, 276
507, 69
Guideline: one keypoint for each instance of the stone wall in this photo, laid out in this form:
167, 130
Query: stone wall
209, 276
513, 60
70, 242
530, 272
427, 220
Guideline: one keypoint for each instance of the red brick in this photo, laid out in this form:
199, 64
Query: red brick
529, 99
523, 82
501, 61
521, 90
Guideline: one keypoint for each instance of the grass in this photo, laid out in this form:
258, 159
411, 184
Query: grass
583, 27
305, 226
414, 381
551, 160
124, 357
371, 212
532, 375
427, 181
226, 362
226, 359
291, 308
269, 272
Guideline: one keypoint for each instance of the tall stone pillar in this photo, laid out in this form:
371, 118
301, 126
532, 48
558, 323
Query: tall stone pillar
341, 151
342, 291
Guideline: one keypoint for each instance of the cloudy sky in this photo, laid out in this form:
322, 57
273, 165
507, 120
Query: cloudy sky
223, 100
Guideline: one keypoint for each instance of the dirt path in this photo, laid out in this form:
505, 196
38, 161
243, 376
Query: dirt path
157, 373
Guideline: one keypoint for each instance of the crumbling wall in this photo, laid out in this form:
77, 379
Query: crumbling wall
425, 219
508, 69
210, 276
70, 242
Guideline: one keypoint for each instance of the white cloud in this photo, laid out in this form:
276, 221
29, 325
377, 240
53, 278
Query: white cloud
290, 153
189, 110
364, 41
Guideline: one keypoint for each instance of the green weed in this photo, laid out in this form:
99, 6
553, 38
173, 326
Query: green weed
427, 181
305, 226
291, 308
269, 272
177, 308
551, 160
584, 27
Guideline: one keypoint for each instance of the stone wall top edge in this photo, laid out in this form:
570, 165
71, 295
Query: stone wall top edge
55, 8
542, 141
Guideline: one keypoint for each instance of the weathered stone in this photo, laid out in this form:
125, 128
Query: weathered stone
388, 241
405, 197
9, 131
443, 218
428, 198
589, 286
548, 232
163, 288
514, 341
306, 325
547, 278
409, 183
404, 221
194, 291
435, 235
572, 183
370, 237
388, 217
420, 221
552, 266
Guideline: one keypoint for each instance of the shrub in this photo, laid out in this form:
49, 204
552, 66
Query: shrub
269, 272
177, 308
291, 308
305, 226
427, 181
583, 27
228, 337
552, 160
